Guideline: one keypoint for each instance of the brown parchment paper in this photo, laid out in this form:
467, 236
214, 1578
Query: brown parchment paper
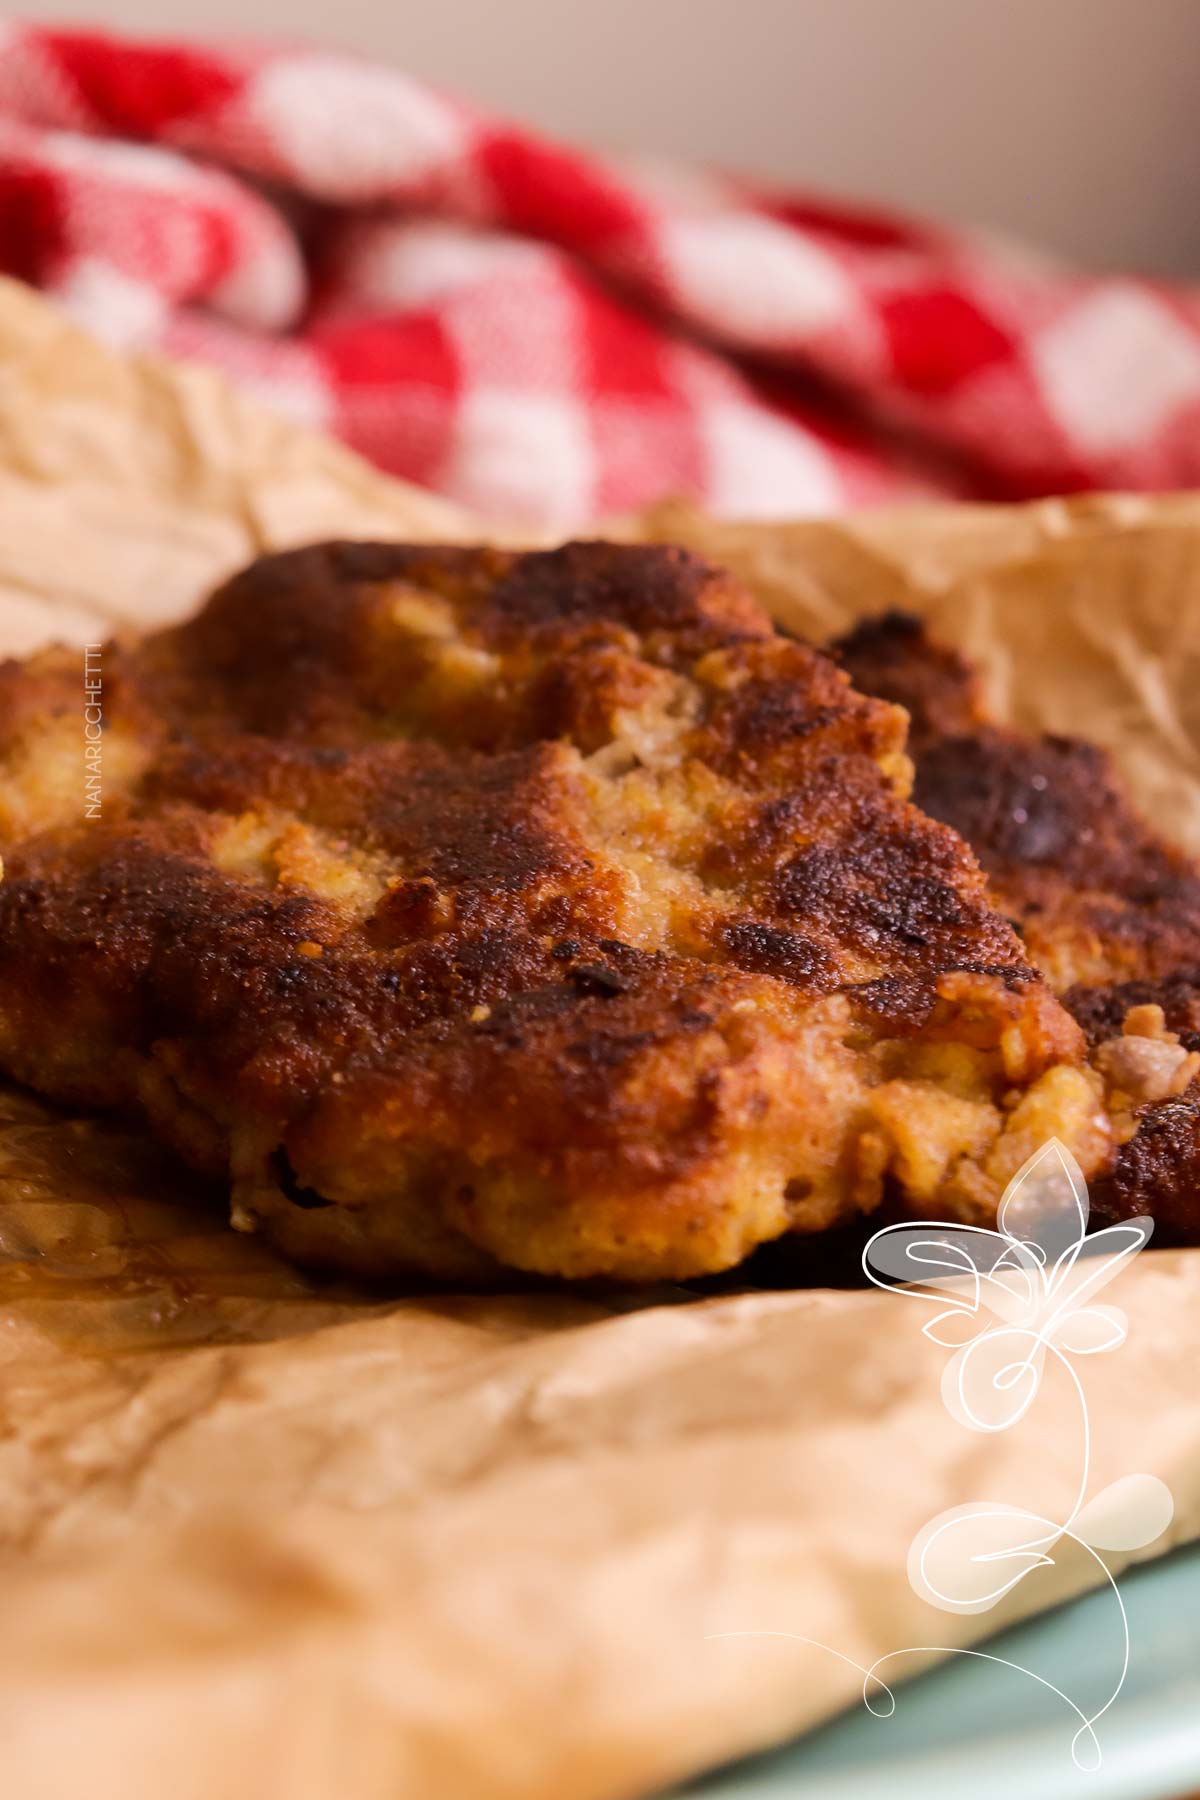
261, 1536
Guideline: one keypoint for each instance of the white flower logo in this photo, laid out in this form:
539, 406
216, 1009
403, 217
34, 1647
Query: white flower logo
1037, 1274
1010, 1300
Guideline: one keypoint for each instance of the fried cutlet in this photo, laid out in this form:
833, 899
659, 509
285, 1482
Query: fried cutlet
1107, 910
470, 909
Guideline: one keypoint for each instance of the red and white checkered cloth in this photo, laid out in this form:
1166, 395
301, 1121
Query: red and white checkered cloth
544, 334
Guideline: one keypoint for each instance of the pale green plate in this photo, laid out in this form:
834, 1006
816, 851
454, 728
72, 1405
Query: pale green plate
970, 1730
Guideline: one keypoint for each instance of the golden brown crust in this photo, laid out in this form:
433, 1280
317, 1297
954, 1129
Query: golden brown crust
1108, 911
893, 656
1157, 1173
551, 910
1096, 894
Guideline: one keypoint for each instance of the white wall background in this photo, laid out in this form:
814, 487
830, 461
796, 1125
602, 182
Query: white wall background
1075, 123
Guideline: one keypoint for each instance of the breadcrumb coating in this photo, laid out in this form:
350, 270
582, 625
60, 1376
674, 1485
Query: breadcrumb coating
1108, 911
474, 910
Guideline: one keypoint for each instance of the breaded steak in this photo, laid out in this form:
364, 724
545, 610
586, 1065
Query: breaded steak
472, 909
1108, 911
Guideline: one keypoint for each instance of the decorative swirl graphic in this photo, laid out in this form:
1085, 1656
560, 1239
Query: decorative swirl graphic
1010, 1301
1037, 1276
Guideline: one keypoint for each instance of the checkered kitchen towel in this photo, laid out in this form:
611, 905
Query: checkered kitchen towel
544, 334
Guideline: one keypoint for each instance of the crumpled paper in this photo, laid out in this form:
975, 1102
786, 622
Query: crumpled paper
263, 1535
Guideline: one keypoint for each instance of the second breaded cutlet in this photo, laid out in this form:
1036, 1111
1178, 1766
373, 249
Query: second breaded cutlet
469, 910
1108, 911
